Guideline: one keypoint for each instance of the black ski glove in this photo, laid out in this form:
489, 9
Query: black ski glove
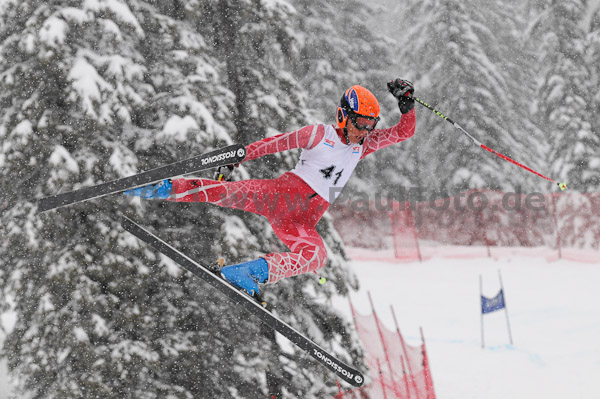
224, 173
403, 90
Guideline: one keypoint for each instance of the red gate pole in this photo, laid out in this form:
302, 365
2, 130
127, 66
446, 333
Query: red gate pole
381, 379
394, 220
555, 216
405, 377
385, 351
412, 376
414, 229
340, 394
483, 226
428, 377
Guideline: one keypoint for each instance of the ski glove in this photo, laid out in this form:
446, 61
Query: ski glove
403, 90
224, 173
161, 190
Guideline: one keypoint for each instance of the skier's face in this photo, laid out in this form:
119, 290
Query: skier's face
355, 135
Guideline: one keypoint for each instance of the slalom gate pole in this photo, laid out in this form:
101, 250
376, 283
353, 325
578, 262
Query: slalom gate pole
505, 308
481, 300
562, 186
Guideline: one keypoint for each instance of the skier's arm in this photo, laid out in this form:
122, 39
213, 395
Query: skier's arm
381, 138
403, 91
306, 137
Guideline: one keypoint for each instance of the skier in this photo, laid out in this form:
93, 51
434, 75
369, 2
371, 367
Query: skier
294, 202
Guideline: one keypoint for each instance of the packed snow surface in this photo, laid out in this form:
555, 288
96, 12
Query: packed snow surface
554, 314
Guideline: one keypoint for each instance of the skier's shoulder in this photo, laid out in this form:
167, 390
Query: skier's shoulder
311, 135
329, 135
316, 128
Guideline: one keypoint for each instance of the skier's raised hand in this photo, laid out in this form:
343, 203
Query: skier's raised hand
403, 90
224, 173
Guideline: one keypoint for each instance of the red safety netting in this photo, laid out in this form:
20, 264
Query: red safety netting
475, 223
396, 370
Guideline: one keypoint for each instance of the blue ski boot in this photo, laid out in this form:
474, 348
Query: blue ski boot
160, 190
247, 275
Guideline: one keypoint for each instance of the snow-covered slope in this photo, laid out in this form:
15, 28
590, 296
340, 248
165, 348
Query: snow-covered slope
554, 313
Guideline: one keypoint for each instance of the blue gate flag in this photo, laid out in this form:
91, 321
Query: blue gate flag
489, 305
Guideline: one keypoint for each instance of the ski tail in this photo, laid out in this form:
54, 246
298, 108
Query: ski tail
343, 371
223, 156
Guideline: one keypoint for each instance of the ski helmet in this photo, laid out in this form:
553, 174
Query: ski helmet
361, 106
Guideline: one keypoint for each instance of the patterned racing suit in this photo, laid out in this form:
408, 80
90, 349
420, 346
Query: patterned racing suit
294, 202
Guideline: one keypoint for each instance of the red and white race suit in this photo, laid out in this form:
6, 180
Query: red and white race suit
294, 202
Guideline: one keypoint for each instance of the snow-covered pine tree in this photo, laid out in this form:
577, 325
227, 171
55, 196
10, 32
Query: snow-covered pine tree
97, 91
528, 143
78, 98
465, 60
254, 42
565, 108
593, 52
91, 93
565, 93
338, 49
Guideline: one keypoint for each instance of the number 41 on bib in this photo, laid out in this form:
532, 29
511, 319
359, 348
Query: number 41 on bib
328, 173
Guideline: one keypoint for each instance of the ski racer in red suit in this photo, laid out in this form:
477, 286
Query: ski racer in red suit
294, 202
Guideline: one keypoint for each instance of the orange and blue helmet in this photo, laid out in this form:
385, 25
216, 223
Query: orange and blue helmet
360, 106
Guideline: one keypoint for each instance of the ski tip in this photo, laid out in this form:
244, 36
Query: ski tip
358, 380
563, 186
240, 150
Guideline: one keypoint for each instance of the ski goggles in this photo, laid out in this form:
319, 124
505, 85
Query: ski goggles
362, 122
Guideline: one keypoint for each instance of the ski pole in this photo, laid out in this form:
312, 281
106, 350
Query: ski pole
562, 186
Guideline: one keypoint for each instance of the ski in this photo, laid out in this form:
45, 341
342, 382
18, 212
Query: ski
227, 155
346, 373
